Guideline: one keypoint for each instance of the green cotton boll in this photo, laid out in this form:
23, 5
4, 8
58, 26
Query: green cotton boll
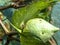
41, 28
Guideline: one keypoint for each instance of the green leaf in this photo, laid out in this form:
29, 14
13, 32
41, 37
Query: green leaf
28, 12
5, 2
30, 40
4, 41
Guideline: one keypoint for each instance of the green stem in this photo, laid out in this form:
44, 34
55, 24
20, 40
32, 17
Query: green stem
19, 30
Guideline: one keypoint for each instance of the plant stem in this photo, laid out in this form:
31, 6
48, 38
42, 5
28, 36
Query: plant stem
52, 42
5, 29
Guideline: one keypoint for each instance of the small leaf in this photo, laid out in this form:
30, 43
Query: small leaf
4, 41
